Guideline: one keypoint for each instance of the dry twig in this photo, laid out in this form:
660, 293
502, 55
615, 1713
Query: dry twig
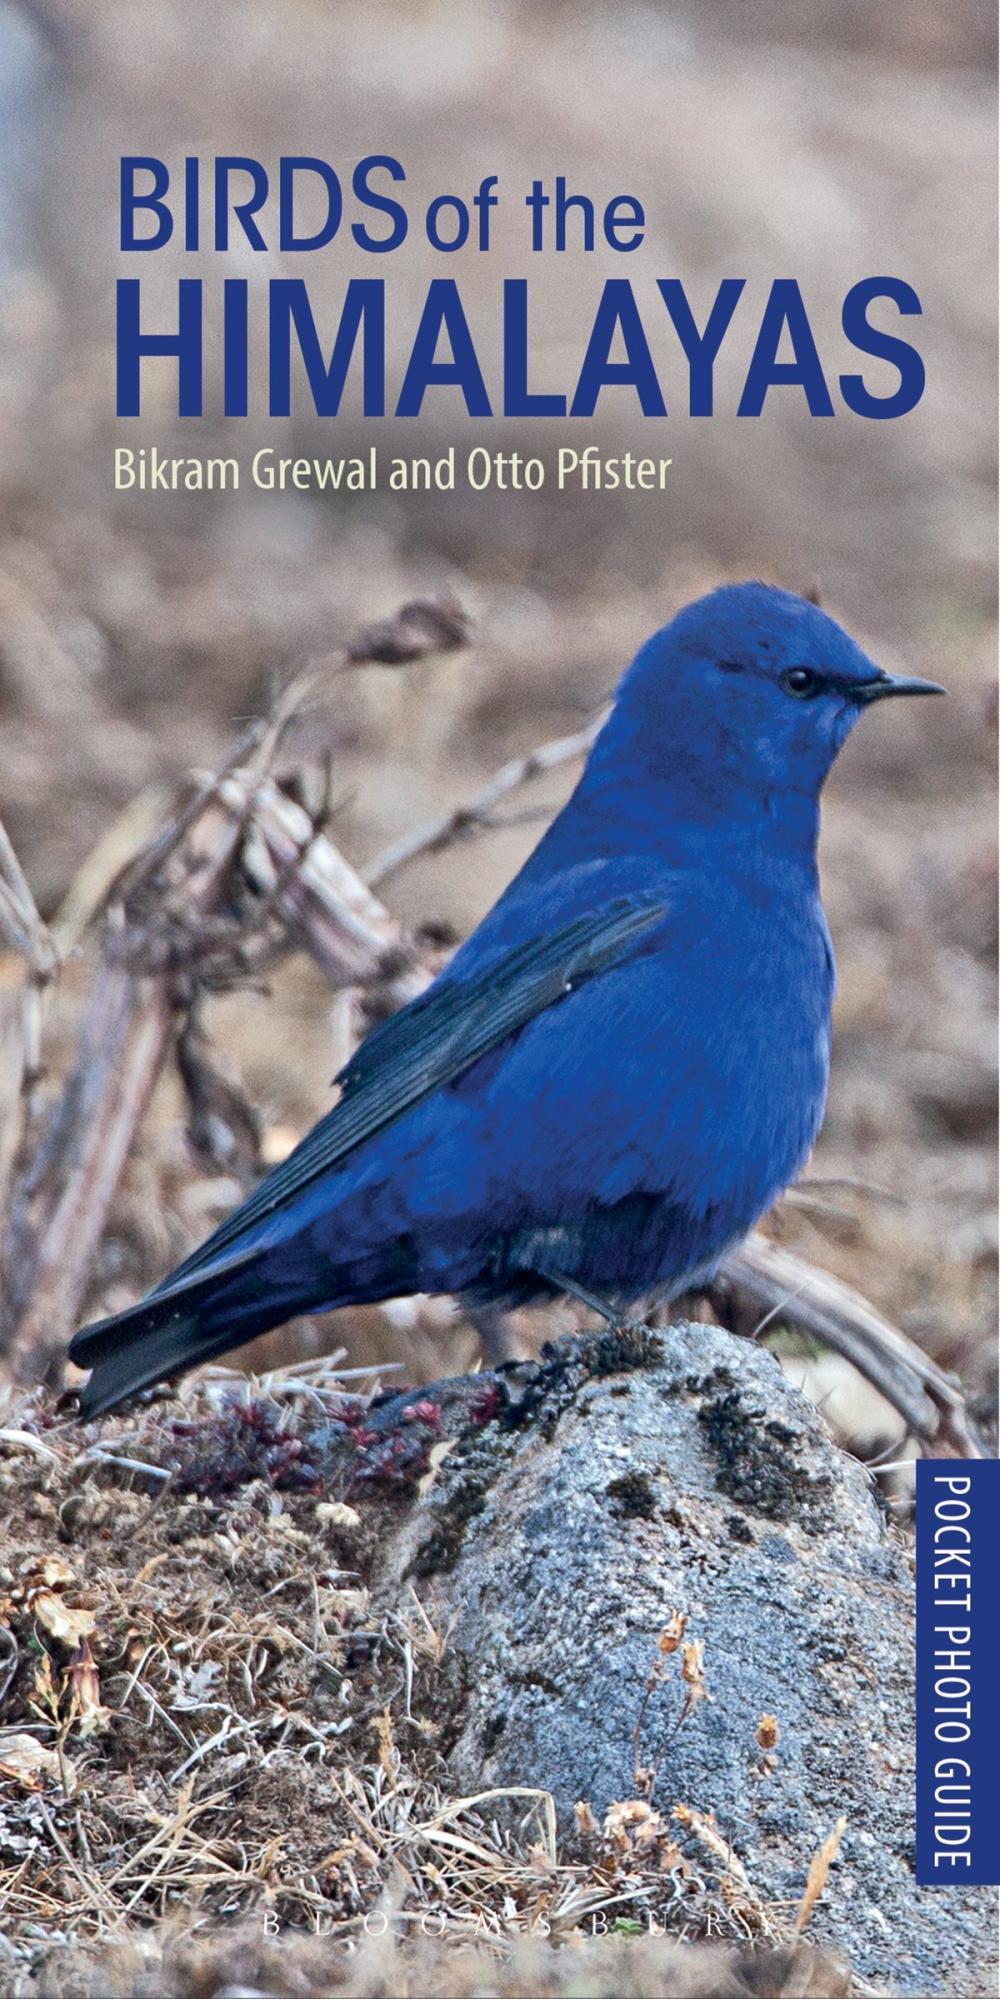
235, 829
476, 814
762, 1278
60, 1204
30, 938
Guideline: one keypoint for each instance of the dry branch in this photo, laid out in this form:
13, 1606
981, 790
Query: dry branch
29, 937
60, 1205
476, 813
769, 1282
236, 831
324, 901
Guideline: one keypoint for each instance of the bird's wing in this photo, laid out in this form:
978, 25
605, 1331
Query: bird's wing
423, 1048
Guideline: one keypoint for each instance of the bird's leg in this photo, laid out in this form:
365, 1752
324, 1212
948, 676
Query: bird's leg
493, 1324
578, 1291
604, 1311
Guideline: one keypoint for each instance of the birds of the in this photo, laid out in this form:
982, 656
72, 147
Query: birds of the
621, 1068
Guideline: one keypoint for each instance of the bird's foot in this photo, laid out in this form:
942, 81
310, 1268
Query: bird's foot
622, 1342
625, 1343
611, 1314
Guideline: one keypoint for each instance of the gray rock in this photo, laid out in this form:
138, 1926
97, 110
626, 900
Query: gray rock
683, 1473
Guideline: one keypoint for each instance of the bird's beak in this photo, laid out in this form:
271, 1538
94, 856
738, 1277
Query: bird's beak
886, 684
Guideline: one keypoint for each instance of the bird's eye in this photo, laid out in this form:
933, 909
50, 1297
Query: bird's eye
801, 681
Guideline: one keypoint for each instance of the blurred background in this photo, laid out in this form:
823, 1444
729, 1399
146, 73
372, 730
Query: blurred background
828, 142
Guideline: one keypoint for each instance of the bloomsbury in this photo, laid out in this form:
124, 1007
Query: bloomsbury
646, 338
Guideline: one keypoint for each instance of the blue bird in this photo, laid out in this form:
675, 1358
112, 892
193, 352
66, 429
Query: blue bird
622, 1067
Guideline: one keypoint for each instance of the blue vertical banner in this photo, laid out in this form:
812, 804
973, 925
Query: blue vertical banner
958, 1672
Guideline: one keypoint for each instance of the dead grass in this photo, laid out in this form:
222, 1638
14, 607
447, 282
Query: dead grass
181, 1964
204, 1722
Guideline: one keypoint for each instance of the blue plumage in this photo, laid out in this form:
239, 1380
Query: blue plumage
626, 1062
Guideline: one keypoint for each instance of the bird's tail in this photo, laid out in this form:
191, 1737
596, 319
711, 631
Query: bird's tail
175, 1329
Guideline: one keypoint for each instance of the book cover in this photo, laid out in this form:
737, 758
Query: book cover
497, 928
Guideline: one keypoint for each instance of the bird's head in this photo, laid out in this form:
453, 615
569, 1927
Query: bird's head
748, 691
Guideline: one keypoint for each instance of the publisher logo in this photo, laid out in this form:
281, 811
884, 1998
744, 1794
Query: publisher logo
958, 1650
